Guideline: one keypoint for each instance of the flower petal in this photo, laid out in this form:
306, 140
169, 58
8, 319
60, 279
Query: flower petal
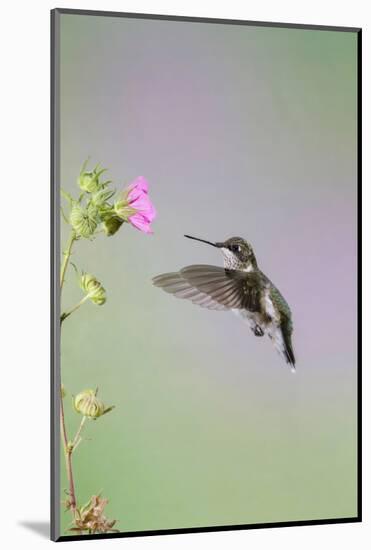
140, 222
137, 188
144, 206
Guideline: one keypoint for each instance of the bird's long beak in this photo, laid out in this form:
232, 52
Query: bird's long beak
217, 245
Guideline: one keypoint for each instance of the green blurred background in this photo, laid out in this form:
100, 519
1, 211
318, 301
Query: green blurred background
240, 131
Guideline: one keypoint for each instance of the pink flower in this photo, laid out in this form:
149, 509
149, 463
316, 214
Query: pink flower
136, 206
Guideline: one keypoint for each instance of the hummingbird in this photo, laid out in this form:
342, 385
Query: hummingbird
239, 286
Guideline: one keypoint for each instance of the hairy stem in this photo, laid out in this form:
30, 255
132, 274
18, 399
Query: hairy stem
77, 437
71, 482
68, 313
67, 256
63, 426
68, 448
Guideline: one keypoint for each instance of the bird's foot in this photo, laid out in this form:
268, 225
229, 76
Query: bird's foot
258, 331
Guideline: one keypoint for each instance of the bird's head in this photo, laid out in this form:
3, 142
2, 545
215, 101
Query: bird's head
237, 253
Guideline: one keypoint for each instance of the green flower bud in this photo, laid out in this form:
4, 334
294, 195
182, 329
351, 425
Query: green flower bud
100, 198
88, 404
110, 221
111, 225
84, 220
89, 181
93, 289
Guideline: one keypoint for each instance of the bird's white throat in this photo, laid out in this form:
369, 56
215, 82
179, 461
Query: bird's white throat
232, 262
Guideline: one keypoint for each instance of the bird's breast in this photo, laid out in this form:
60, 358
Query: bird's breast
269, 311
252, 317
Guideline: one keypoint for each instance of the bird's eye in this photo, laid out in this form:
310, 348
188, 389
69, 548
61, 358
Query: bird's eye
235, 248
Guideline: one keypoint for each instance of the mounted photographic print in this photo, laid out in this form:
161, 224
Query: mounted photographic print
205, 274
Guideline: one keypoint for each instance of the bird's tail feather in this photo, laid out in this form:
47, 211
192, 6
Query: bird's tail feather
288, 350
282, 342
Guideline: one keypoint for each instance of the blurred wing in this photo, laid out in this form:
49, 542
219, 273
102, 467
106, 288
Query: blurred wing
173, 283
213, 287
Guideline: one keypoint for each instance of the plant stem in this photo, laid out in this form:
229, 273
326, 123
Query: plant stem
68, 313
63, 426
68, 448
78, 433
70, 481
67, 256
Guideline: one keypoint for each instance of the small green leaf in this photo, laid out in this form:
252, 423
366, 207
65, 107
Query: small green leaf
67, 196
64, 216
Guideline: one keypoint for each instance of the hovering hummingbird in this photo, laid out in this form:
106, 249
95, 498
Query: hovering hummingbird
241, 287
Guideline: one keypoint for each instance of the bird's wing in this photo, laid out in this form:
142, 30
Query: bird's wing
213, 287
174, 284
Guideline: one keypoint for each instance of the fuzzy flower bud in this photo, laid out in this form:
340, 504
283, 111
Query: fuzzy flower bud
84, 220
111, 225
89, 181
93, 289
88, 404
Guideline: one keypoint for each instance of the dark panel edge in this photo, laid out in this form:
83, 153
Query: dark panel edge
185, 18
304, 523
359, 271
54, 252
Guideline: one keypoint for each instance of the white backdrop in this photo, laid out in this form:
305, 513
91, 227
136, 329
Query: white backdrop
24, 393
